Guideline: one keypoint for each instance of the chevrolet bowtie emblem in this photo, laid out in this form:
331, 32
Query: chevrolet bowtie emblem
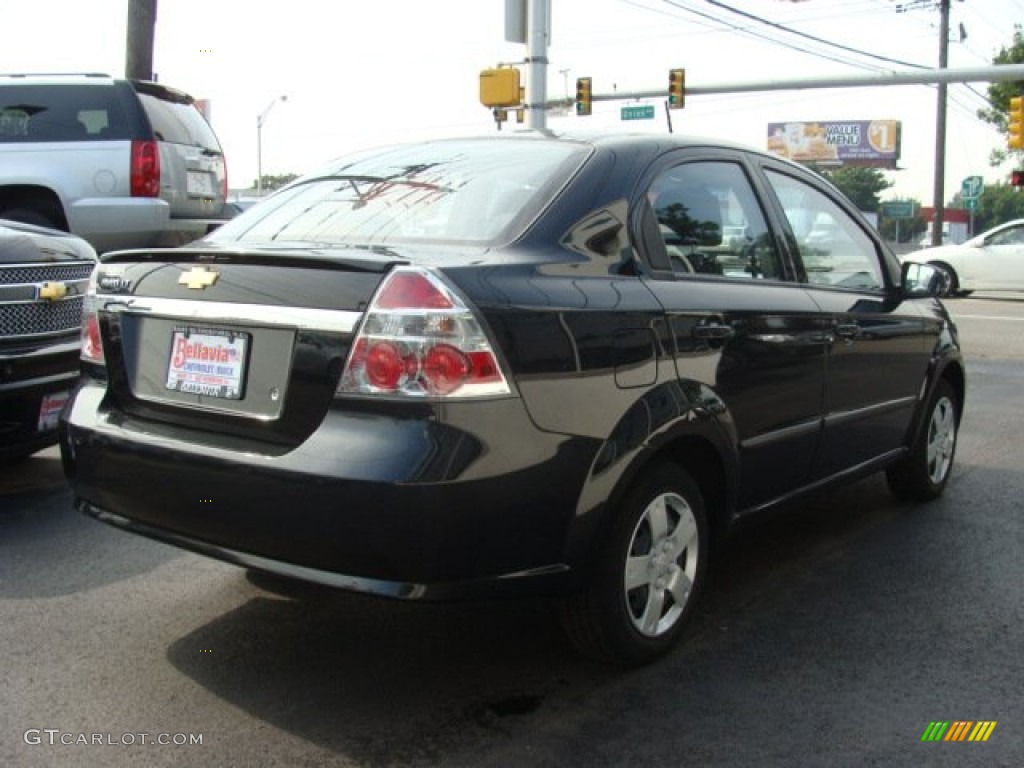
198, 278
52, 291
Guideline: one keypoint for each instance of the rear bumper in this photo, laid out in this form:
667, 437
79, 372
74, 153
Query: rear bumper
134, 222
401, 507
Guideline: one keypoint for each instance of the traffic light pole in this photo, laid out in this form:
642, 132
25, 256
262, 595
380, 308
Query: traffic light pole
938, 190
538, 33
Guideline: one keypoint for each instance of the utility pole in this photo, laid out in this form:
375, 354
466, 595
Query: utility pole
537, 34
940, 130
140, 33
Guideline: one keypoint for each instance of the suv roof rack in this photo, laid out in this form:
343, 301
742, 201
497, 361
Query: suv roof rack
55, 74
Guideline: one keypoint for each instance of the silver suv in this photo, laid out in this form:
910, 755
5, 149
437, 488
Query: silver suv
121, 163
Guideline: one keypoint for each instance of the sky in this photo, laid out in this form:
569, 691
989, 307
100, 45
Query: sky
360, 74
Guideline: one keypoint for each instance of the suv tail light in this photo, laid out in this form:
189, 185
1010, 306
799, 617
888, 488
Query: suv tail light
92, 343
145, 169
419, 339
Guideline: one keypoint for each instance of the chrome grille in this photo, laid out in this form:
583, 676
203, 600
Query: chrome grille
41, 273
41, 318
24, 317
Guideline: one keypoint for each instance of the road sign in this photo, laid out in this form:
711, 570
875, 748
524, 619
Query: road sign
898, 209
971, 187
971, 204
642, 112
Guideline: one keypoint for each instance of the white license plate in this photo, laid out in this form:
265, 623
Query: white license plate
207, 362
49, 410
200, 184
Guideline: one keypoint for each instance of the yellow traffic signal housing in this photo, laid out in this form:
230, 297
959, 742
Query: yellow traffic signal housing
1015, 128
500, 87
584, 95
676, 88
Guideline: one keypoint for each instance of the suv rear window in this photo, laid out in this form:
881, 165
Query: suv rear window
178, 122
61, 113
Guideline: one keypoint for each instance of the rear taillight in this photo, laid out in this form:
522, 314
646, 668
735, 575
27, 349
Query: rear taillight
145, 169
223, 179
92, 343
419, 339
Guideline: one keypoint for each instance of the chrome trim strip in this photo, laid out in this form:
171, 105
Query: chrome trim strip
782, 434
332, 320
842, 417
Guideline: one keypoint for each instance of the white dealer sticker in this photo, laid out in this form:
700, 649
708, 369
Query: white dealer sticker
207, 362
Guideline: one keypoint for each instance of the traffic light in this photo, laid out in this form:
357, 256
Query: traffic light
676, 88
1017, 178
584, 96
1015, 127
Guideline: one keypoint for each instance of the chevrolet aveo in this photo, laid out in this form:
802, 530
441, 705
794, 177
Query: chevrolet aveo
512, 365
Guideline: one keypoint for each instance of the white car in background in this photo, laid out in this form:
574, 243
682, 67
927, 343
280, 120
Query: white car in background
991, 261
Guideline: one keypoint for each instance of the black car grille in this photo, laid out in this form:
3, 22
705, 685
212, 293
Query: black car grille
41, 318
23, 316
41, 273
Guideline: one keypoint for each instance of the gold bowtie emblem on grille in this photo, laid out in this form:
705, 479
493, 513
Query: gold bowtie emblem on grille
53, 291
198, 278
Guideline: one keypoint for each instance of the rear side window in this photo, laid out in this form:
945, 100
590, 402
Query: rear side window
710, 223
178, 122
61, 113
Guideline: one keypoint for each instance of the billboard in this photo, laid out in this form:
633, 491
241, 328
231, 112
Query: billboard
866, 143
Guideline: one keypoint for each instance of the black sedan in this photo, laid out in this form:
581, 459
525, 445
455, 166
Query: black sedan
509, 365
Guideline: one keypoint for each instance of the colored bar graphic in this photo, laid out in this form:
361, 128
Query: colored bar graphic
982, 730
935, 731
958, 730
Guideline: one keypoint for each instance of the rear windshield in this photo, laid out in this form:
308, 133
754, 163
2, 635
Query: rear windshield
61, 113
452, 191
178, 122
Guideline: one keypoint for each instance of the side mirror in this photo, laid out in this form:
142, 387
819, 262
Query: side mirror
920, 280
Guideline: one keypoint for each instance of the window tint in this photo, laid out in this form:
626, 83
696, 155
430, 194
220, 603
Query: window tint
835, 251
710, 222
178, 122
61, 113
449, 191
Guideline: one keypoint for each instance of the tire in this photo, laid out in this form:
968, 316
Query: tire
649, 574
923, 474
954, 281
28, 216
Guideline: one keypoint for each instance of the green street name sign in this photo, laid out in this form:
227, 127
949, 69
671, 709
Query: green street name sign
898, 209
643, 112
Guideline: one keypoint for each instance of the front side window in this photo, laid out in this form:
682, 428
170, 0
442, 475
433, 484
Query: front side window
1010, 236
834, 250
710, 224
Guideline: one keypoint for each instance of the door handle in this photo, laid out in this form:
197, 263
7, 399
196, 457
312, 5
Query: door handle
714, 332
847, 331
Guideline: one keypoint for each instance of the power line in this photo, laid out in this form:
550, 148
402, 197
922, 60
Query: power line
774, 41
807, 36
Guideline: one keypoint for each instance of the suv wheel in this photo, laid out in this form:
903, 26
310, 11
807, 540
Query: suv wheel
923, 474
651, 570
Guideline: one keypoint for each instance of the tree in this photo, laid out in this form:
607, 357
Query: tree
998, 204
861, 185
270, 183
999, 93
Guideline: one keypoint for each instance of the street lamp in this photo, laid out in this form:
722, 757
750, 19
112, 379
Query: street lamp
260, 119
